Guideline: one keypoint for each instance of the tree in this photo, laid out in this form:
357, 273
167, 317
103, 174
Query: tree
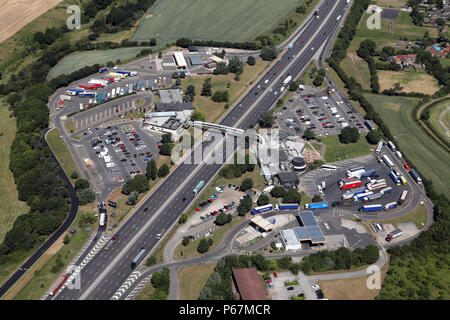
139, 184
373, 137
268, 53
278, 192
74, 175
152, 42
185, 241
246, 184
183, 218
166, 138
197, 115
267, 119
251, 61
235, 65
263, 200
165, 149
292, 196
349, 135
163, 170
221, 96
317, 198
206, 88
309, 134
221, 68
132, 198
245, 205
81, 184
178, 82
203, 246
223, 218
151, 170
66, 239
85, 196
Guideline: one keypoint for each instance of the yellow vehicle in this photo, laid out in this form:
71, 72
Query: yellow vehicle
403, 180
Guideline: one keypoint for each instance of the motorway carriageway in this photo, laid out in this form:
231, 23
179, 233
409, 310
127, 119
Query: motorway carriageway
108, 270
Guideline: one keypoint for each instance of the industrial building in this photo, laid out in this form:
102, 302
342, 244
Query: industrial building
195, 60
179, 60
171, 96
288, 179
310, 231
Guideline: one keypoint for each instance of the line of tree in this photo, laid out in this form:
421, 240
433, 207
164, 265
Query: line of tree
248, 45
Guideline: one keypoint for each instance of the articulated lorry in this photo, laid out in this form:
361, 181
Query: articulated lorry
288, 206
371, 208
316, 205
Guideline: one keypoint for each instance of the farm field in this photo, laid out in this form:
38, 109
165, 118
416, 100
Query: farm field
426, 154
232, 20
440, 119
11, 207
16, 14
79, 60
410, 81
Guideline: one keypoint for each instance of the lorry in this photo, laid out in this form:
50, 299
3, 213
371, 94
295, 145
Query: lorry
386, 190
371, 208
115, 74
316, 205
361, 196
64, 97
345, 202
394, 177
394, 234
87, 94
260, 209
74, 92
128, 73
287, 80
373, 196
403, 180
345, 185
288, 206
388, 161
379, 146
376, 186
102, 219
268, 189
390, 206
355, 173
369, 173
58, 284
391, 146
138, 258
351, 193
198, 187
415, 176
398, 154
402, 197
103, 82
88, 86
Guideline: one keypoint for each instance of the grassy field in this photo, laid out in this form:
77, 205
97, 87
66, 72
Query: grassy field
426, 154
43, 274
357, 68
79, 60
231, 20
351, 289
418, 216
213, 110
11, 206
190, 251
192, 279
63, 154
411, 81
440, 119
336, 151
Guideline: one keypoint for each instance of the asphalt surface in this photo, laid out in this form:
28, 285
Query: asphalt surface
47, 244
105, 273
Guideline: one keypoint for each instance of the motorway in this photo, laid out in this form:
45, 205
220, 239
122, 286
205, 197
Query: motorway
106, 272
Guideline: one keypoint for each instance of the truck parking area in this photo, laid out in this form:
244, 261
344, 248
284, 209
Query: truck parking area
349, 207
318, 111
119, 152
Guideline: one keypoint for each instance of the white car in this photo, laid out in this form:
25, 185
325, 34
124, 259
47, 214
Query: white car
266, 81
315, 287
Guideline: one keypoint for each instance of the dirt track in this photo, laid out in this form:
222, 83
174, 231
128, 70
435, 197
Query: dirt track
15, 14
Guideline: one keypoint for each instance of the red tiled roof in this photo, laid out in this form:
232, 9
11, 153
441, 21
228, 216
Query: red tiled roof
248, 284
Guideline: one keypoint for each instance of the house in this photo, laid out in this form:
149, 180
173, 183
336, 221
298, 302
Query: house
405, 60
439, 52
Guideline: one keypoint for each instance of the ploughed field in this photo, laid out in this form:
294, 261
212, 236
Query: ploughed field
17, 13
231, 20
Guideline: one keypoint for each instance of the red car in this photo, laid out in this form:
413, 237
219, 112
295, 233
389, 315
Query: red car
275, 274
197, 209
407, 167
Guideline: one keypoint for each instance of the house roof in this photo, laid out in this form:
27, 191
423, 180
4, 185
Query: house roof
248, 284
